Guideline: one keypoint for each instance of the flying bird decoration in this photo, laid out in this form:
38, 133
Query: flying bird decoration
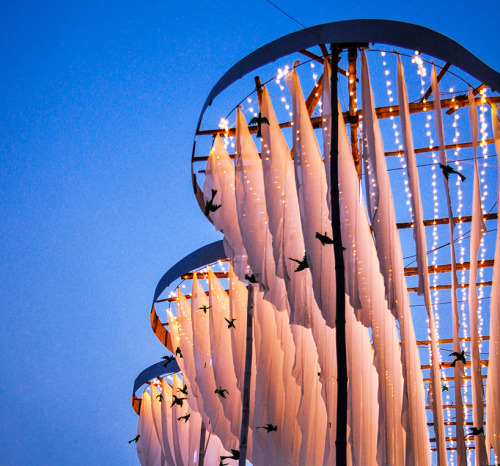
259, 121
444, 388
447, 169
204, 308
177, 401
302, 264
230, 322
221, 392
235, 456
184, 418
135, 439
269, 428
251, 278
178, 352
160, 397
324, 239
183, 389
476, 431
210, 206
458, 357
168, 360
221, 463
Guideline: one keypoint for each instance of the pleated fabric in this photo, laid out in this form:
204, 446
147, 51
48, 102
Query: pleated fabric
311, 186
157, 422
288, 241
222, 351
205, 377
220, 176
492, 385
252, 216
180, 428
167, 442
458, 370
378, 194
148, 447
478, 228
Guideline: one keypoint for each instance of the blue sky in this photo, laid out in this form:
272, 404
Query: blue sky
98, 106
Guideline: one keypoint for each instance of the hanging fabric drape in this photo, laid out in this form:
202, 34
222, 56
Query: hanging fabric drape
180, 427
157, 422
492, 385
166, 422
478, 228
458, 370
312, 190
148, 446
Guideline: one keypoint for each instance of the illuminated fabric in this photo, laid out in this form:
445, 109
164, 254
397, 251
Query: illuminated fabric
148, 446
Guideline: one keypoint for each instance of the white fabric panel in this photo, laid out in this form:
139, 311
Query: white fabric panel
284, 216
285, 227
180, 429
205, 379
148, 446
194, 433
312, 191
374, 140
156, 414
220, 175
166, 423
222, 353
492, 385
478, 228
252, 216
181, 330
458, 370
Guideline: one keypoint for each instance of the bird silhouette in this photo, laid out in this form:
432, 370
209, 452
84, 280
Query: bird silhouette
444, 388
259, 121
135, 439
235, 456
178, 352
177, 401
302, 264
476, 431
210, 206
160, 397
324, 239
168, 360
458, 357
221, 392
184, 418
222, 464
447, 169
251, 278
230, 322
183, 390
204, 308
269, 428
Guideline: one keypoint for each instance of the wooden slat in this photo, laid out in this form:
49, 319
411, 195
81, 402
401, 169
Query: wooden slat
314, 96
446, 365
445, 221
448, 287
443, 268
447, 340
422, 150
466, 97
440, 75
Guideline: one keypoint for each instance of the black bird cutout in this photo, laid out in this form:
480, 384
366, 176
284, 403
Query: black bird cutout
302, 264
184, 418
235, 456
135, 439
160, 397
222, 464
259, 121
177, 401
221, 392
447, 169
251, 278
324, 239
458, 357
168, 360
230, 322
210, 206
183, 390
444, 388
476, 431
204, 308
178, 352
269, 428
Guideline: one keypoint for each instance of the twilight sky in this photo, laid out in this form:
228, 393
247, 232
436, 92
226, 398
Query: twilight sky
98, 106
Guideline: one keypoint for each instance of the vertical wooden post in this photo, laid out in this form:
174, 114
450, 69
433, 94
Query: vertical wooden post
352, 56
341, 438
201, 455
245, 418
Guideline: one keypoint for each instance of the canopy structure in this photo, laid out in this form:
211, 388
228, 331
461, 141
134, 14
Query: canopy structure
350, 314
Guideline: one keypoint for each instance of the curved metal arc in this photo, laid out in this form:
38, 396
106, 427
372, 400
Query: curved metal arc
387, 32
